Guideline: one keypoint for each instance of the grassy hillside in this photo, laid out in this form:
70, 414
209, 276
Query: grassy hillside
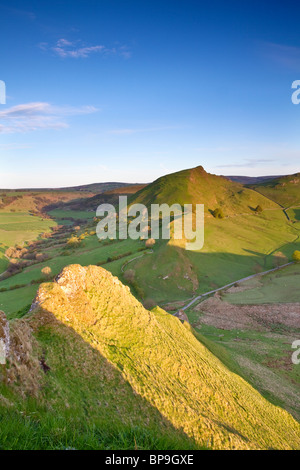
240, 244
284, 190
234, 248
87, 325
252, 326
196, 186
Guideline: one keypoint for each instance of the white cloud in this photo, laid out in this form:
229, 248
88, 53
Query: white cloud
250, 162
34, 116
76, 49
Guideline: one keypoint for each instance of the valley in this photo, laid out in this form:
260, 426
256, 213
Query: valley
246, 328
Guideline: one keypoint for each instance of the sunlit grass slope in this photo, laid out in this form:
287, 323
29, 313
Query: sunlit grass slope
158, 356
284, 191
196, 186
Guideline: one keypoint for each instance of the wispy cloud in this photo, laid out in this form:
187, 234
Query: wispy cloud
288, 56
76, 49
131, 131
34, 116
19, 12
250, 162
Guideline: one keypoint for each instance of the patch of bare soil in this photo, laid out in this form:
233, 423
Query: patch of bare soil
225, 316
242, 287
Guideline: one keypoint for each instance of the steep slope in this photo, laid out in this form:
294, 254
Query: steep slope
58, 392
285, 190
161, 359
199, 187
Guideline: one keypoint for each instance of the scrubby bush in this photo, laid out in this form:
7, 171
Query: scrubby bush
46, 271
129, 275
16, 252
279, 259
296, 256
73, 241
41, 257
45, 235
258, 209
218, 213
150, 243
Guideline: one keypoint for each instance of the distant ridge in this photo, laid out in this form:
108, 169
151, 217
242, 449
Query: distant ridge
92, 188
251, 179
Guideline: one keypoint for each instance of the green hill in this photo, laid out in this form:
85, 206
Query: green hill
196, 186
97, 356
285, 190
242, 243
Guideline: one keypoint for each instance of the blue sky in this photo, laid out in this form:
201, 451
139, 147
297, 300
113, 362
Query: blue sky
108, 90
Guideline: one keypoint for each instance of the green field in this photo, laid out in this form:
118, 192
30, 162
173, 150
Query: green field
21, 227
61, 215
278, 287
